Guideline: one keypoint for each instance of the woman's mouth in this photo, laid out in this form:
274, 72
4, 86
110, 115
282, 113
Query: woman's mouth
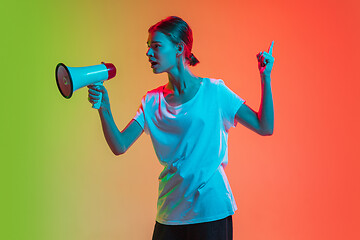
153, 64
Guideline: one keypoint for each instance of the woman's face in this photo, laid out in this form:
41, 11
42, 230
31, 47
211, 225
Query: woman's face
161, 52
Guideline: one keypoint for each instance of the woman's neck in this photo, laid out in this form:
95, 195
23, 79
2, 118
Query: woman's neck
180, 81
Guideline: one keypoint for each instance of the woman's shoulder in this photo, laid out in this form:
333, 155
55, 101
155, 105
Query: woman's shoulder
154, 94
213, 82
156, 91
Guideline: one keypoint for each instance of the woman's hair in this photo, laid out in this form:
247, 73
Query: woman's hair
178, 31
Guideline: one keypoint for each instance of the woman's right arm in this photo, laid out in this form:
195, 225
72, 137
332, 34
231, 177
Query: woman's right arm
119, 142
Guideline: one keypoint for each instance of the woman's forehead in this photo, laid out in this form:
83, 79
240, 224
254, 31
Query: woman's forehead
157, 37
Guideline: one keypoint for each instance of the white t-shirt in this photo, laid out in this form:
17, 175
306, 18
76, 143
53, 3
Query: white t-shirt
191, 142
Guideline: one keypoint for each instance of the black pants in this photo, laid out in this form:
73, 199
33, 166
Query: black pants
217, 230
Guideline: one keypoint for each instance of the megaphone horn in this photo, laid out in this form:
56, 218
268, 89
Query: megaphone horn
70, 79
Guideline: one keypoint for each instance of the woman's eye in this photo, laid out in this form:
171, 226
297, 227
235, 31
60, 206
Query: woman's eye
154, 46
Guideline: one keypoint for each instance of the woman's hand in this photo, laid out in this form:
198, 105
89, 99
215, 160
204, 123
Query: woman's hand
94, 92
266, 62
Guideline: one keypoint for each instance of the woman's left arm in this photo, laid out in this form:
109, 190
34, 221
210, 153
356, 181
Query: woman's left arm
261, 122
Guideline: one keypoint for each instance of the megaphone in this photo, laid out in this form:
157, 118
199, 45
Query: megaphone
70, 79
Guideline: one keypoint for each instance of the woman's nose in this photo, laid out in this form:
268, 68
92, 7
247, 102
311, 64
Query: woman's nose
149, 52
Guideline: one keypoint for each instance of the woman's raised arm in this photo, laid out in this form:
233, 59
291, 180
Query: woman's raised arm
261, 122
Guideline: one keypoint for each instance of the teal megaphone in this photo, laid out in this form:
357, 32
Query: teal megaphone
70, 79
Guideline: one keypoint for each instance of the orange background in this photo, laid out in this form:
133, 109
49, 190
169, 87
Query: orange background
61, 179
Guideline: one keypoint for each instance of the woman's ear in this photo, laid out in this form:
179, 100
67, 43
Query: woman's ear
180, 48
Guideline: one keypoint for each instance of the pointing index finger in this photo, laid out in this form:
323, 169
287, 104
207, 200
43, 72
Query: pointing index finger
271, 48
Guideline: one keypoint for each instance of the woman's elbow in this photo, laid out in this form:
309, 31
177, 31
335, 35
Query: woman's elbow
118, 152
268, 132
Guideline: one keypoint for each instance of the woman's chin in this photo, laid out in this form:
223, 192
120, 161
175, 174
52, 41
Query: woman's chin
156, 71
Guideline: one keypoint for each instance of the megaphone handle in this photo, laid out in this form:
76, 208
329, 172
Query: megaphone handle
98, 103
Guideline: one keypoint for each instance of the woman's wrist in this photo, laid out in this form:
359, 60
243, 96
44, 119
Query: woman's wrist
104, 108
265, 78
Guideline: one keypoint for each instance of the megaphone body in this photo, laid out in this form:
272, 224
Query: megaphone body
70, 79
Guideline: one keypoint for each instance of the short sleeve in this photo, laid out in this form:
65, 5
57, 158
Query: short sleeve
139, 116
229, 103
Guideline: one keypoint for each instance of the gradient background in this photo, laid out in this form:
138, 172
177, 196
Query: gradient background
59, 178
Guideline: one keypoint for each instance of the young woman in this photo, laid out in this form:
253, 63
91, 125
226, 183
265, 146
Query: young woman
188, 120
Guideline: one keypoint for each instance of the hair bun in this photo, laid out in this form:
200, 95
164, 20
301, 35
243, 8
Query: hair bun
193, 60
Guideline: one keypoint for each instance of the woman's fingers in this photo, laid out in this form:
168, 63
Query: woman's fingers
261, 58
92, 98
98, 88
93, 95
96, 97
266, 60
265, 57
271, 48
94, 92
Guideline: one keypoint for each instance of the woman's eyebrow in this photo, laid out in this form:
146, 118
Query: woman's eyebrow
153, 42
